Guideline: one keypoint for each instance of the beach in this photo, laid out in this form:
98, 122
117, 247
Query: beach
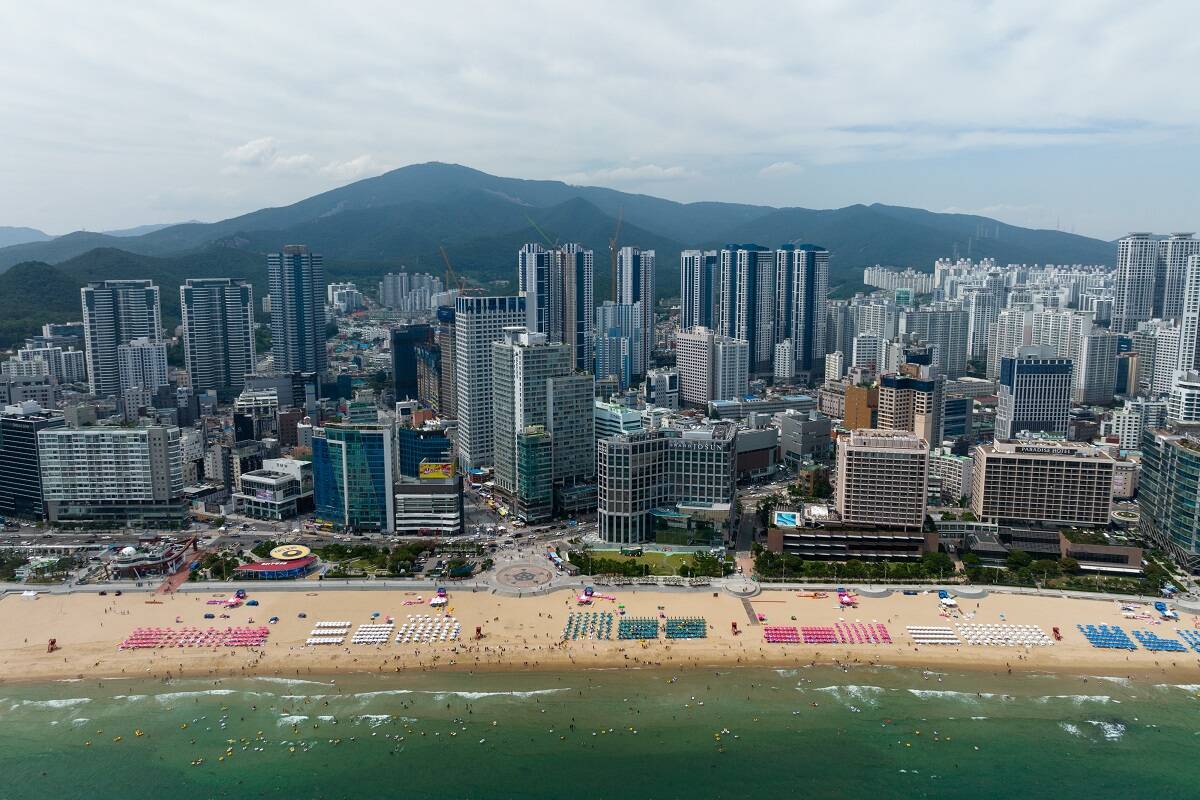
526, 634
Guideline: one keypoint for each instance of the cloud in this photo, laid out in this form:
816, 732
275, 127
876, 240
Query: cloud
780, 168
644, 172
254, 153
361, 167
302, 162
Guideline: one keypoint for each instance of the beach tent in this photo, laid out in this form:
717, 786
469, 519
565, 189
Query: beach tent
29, 595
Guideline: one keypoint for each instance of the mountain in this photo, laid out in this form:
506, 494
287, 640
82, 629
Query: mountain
10, 236
140, 230
404, 218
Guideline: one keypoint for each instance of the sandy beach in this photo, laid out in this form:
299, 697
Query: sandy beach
526, 634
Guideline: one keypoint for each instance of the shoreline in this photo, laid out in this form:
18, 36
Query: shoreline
525, 634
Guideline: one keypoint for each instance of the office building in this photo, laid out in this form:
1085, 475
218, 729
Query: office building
711, 367
478, 322
611, 418
685, 474
1137, 414
218, 333
1034, 393
142, 364
114, 314
1036, 481
353, 477
296, 279
1169, 495
534, 387
21, 476
113, 477
415, 446
443, 337
661, 389
431, 506
280, 490
804, 436
404, 341
699, 287
881, 478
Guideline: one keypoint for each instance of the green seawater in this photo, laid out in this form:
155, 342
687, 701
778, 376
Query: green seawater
809, 732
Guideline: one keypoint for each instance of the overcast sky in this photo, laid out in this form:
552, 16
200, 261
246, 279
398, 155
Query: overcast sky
1083, 115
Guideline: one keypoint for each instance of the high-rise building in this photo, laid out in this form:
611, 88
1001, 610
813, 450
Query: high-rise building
808, 280
443, 337
534, 386
661, 389
1138, 413
699, 288
114, 314
405, 339
881, 478
1034, 481
711, 367
1169, 494
218, 332
540, 282
113, 477
353, 479
1012, 330
639, 473
943, 326
578, 276
912, 401
619, 343
21, 477
1034, 393
297, 289
1151, 278
1096, 368
1189, 334
478, 322
636, 284
1183, 404
142, 364
750, 295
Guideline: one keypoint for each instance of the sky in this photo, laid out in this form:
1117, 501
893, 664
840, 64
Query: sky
1078, 115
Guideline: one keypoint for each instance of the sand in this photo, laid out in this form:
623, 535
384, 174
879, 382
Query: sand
525, 634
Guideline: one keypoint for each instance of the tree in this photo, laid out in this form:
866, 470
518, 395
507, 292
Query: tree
1018, 559
1068, 565
938, 563
1047, 568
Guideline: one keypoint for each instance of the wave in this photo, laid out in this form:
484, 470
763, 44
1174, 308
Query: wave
1077, 699
1070, 728
288, 720
80, 721
373, 720
1190, 688
481, 695
171, 697
1112, 679
1113, 731
382, 693
861, 694
293, 681
66, 702
933, 694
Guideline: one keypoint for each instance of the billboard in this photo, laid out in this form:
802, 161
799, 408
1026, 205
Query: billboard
786, 519
435, 470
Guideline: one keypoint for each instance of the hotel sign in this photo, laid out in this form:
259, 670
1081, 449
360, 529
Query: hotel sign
1047, 451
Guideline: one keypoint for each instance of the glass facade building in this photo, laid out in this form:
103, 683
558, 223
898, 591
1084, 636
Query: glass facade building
352, 477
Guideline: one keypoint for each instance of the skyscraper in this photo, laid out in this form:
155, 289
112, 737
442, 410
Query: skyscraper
635, 283
749, 300
142, 364
619, 342
1170, 279
809, 283
1034, 394
297, 285
21, 477
114, 314
943, 326
218, 332
699, 288
711, 367
478, 321
534, 387
405, 339
578, 276
539, 280
1151, 278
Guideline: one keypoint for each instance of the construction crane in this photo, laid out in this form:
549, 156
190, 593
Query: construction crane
452, 279
612, 254
542, 233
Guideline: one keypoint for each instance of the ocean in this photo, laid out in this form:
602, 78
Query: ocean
819, 732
